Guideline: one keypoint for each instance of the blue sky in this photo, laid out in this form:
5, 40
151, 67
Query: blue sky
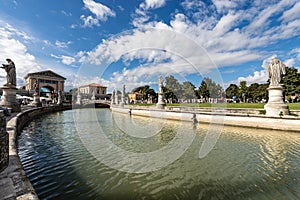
115, 42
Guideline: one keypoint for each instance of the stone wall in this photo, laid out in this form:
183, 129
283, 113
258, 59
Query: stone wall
4, 156
14, 184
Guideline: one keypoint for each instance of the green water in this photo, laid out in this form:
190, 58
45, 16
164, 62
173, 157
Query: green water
63, 163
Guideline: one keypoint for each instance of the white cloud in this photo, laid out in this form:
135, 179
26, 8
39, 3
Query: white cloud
152, 4
262, 75
100, 12
289, 62
17, 51
229, 38
292, 13
68, 14
67, 60
140, 17
81, 56
60, 44
224, 5
257, 77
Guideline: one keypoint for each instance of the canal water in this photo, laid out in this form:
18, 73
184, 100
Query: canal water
96, 154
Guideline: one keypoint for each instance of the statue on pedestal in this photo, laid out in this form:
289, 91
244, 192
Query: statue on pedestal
11, 73
276, 106
36, 95
160, 84
161, 97
123, 96
116, 97
276, 69
9, 90
112, 100
59, 97
78, 98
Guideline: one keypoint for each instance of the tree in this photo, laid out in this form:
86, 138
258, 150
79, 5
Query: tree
73, 90
291, 81
173, 89
203, 90
146, 91
243, 90
253, 93
232, 90
209, 88
262, 92
188, 90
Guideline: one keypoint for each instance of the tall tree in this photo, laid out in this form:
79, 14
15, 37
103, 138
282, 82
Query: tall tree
291, 81
209, 88
173, 89
188, 90
253, 92
146, 91
243, 90
232, 90
203, 90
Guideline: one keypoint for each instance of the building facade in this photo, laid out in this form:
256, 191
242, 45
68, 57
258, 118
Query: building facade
93, 88
135, 97
46, 81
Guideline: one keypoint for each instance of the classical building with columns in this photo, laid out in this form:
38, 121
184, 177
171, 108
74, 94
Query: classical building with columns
48, 82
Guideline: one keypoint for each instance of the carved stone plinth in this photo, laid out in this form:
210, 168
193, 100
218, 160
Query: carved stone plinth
276, 106
161, 104
9, 99
4, 145
36, 100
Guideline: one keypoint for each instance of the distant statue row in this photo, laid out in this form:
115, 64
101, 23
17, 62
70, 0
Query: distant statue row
115, 97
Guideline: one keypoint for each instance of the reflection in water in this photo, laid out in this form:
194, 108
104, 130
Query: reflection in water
245, 163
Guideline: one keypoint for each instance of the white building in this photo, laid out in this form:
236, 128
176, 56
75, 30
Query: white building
93, 88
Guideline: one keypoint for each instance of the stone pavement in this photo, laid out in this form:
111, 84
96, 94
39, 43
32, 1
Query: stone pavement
14, 184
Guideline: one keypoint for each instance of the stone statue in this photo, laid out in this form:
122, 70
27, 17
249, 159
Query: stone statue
112, 99
276, 69
11, 72
276, 106
160, 84
161, 97
123, 90
36, 87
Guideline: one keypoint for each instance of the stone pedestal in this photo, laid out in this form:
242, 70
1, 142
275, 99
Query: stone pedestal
36, 100
59, 98
78, 100
161, 104
4, 145
276, 106
122, 103
9, 99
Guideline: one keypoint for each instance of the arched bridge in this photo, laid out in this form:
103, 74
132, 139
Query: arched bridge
96, 103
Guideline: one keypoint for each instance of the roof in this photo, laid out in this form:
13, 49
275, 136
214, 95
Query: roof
45, 73
94, 85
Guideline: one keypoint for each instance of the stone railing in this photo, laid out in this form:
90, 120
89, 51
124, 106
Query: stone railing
4, 145
14, 183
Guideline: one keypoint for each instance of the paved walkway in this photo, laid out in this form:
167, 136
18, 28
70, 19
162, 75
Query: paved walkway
14, 184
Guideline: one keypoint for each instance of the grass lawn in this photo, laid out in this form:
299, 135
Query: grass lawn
292, 106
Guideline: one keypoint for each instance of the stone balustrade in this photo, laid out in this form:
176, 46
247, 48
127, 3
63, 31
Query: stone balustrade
4, 145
